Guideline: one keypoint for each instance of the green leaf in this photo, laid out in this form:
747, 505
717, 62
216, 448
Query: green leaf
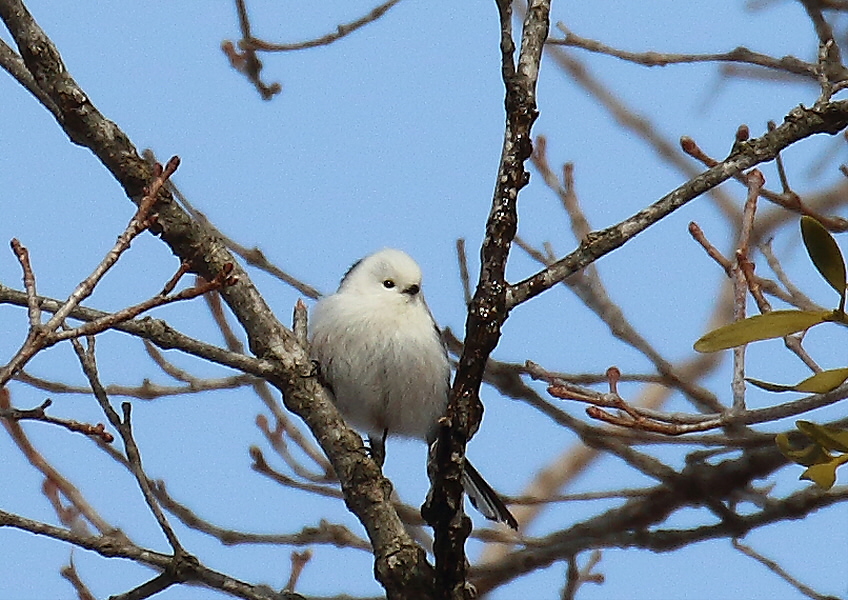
827, 436
807, 455
825, 254
824, 474
775, 324
770, 387
820, 383
823, 382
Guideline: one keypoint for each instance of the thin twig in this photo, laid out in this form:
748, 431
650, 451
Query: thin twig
790, 201
146, 391
40, 414
39, 335
253, 256
464, 277
158, 332
33, 310
740, 284
324, 533
69, 572
787, 64
299, 561
775, 568
112, 547
58, 481
249, 42
124, 427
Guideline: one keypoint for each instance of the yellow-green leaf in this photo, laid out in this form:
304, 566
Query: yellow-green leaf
823, 382
775, 324
829, 437
824, 475
807, 455
825, 253
820, 383
770, 387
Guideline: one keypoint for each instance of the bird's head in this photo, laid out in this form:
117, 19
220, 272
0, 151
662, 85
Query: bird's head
389, 274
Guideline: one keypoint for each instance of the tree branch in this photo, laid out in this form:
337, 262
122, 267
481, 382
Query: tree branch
400, 564
487, 311
800, 123
787, 64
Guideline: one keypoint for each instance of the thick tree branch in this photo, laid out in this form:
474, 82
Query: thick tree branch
487, 311
800, 123
400, 564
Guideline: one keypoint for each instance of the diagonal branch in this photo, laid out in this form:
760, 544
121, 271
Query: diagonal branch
800, 123
89, 366
400, 564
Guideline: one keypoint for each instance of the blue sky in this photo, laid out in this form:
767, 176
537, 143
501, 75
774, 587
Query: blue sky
390, 137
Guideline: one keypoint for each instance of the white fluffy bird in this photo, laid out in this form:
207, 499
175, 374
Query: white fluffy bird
381, 355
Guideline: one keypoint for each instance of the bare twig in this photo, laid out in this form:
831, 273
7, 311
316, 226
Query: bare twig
277, 438
131, 312
54, 479
639, 513
253, 256
157, 331
639, 125
324, 533
300, 323
69, 572
831, 73
124, 427
260, 465
775, 568
578, 576
589, 287
41, 336
146, 391
787, 64
796, 296
298, 562
40, 414
33, 310
112, 547
249, 42
789, 200
464, 278
247, 62
740, 284
680, 423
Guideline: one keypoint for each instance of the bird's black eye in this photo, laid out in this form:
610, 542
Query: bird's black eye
388, 284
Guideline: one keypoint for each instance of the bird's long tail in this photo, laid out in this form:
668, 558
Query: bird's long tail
484, 498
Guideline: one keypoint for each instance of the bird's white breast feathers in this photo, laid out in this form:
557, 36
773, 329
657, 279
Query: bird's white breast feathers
383, 360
